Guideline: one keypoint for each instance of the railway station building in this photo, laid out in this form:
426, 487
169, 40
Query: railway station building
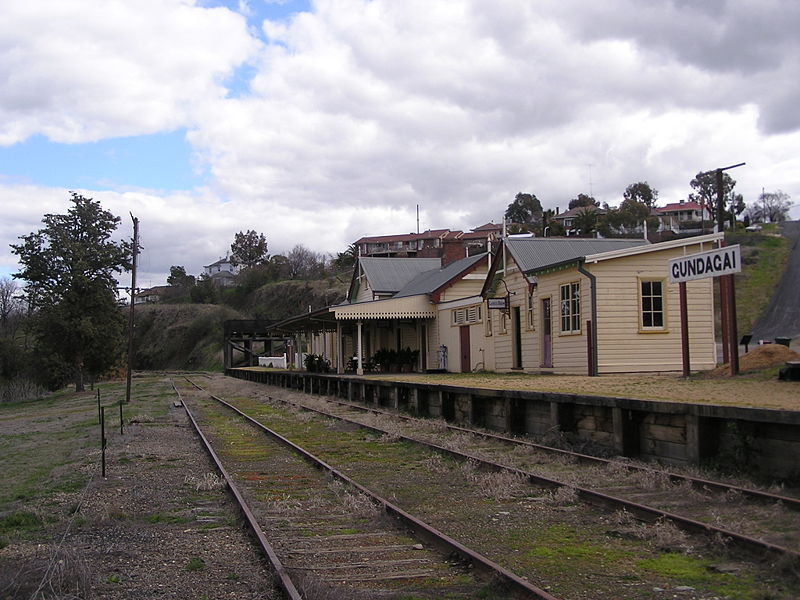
596, 306
560, 305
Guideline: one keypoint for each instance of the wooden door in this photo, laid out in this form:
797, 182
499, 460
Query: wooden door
465, 356
547, 334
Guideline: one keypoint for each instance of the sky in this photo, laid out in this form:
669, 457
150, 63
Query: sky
317, 122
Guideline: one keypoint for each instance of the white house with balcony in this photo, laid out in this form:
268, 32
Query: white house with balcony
223, 271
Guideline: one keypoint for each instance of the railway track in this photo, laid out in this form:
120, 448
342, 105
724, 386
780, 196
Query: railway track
327, 532
761, 523
351, 410
486, 451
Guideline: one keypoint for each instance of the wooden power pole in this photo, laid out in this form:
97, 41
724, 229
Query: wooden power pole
133, 304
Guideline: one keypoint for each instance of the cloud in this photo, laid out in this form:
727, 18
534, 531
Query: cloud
358, 112
80, 71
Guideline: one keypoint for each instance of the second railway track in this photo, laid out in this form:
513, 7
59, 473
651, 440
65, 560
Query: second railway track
519, 527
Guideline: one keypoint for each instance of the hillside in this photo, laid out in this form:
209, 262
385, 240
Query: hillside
189, 336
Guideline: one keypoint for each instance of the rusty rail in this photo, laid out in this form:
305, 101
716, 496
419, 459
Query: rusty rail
284, 580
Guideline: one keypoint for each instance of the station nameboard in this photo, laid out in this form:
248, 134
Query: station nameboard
722, 261
498, 303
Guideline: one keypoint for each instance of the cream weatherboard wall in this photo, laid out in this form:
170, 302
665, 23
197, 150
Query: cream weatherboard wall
624, 343
452, 317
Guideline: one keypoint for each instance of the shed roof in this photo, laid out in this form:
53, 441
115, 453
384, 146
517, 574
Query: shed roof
532, 254
430, 281
392, 274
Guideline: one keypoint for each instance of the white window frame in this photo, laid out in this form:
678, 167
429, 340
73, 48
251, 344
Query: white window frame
466, 315
531, 312
570, 308
643, 328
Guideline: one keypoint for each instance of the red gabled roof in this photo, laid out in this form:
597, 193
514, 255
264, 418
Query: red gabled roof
404, 237
489, 227
477, 235
679, 206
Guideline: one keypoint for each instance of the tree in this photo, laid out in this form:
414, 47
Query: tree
346, 259
69, 266
771, 207
9, 303
204, 292
179, 278
250, 248
525, 210
582, 200
705, 191
303, 263
586, 221
641, 192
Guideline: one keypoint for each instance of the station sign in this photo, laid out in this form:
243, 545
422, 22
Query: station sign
498, 303
722, 261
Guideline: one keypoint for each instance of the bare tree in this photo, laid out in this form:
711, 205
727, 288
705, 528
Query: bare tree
304, 263
10, 304
771, 207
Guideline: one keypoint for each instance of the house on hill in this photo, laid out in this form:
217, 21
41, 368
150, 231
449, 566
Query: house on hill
677, 214
434, 243
568, 218
151, 295
223, 271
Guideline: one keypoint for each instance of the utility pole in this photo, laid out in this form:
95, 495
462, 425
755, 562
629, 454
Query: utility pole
133, 303
727, 291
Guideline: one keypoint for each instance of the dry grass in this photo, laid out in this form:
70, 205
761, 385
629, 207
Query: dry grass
497, 485
663, 534
354, 502
58, 575
563, 496
313, 588
206, 483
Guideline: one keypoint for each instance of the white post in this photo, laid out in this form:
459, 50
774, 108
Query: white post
338, 350
360, 370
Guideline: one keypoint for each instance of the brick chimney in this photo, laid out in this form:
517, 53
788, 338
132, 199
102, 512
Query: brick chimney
454, 249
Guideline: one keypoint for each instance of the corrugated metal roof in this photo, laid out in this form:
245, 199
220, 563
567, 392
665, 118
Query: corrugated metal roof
533, 254
430, 281
392, 274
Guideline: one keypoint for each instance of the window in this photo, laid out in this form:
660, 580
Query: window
571, 308
488, 322
467, 316
652, 304
531, 321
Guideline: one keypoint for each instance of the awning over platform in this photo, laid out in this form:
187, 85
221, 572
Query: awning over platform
410, 307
